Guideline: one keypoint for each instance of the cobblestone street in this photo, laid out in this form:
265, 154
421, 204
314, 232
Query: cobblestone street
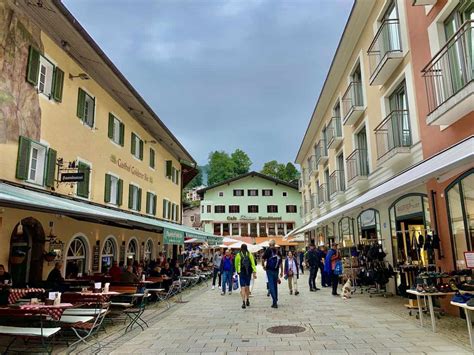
211, 323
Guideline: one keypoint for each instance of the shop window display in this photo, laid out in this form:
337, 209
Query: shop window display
368, 223
346, 231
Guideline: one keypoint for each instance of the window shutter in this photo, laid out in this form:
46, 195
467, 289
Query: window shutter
164, 208
152, 158
168, 209
23, 160
141, 149
58, 83
148, 200
33, 66
50, 168
122, 134
177, 213
81, 104
133, 144
154, 205
83, 186
111, 126
108, 183
119, 192
178, 172
130, 196
169, 165
139, 207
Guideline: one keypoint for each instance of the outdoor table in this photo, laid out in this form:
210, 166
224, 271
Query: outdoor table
468, 311
430, 296
17, 293
55, 312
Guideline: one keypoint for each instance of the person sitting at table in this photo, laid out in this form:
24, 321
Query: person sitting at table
167, 274
55, 280
115, 272
140, 272
156, 271
4, 276
128, 276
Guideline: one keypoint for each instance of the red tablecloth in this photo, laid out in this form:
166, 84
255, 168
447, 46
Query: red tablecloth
54, 312
17, 293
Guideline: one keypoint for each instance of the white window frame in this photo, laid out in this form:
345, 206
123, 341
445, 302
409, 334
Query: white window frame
40, 163
48, 83
150, 203
149, 160
135, 196
114, 179
116, 130
89, 98
136, 153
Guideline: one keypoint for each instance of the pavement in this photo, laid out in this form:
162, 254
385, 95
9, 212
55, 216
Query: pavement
210, 323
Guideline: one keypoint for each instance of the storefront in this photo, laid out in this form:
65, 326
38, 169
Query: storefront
368, 224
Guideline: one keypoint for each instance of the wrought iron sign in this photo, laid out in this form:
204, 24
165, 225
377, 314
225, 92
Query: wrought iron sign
68, 172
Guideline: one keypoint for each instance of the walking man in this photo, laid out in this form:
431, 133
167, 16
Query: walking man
292, 273
313, 261
227, 270
271, 262
245, 267
216, 261
301, 256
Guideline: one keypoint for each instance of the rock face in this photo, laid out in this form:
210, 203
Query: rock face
20, 112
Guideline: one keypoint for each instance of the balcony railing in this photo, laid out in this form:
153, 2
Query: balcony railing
322, 194
393, 132
334, 131
337, 182
452, 68
321, 152
385, 46
357, 165
352, 101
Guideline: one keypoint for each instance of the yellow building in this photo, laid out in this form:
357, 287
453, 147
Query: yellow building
87, 168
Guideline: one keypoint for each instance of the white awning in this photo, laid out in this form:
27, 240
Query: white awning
433, 167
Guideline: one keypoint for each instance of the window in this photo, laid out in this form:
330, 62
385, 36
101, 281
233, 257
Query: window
291, 209
132, 251
267, 192
134, 197
82, 188
191, 218
116, 130
171, 172
280, 228
244, 229
271, 229
45, 79
221, 194
238, 192
109, 254
113, 190
166, 209
253, 229
219, 209
151, 203
37, 163
234, 209
285, 194
217, 229
176, 176
235, 229
262, 229
289, 227
209, 208
252, 192
272, 209
253, 209
148, 250
76, 258
152, 158
136, 146
85, 108
202, 209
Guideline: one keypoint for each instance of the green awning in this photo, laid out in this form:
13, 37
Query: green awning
172, 236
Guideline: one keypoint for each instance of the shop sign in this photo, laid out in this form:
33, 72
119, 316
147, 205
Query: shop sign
231, 218
72, 177
367, 218
408, 206
212, 240
171, 236
130, 168
469, 258
199, 237
269, 218
247, 218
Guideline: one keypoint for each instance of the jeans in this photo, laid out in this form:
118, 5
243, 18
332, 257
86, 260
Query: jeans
214, 276
325, 279
313, 272
301, 267
335, 282
272, 276
226, 280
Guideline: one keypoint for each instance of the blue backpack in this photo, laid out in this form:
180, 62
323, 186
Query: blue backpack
338, 269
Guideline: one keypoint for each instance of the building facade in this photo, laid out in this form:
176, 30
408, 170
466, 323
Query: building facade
89, 171
192, 195
250, 205
192, 217
376, 146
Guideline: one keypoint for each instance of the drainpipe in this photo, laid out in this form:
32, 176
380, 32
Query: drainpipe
435, 217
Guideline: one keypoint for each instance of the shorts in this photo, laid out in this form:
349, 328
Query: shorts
244, 280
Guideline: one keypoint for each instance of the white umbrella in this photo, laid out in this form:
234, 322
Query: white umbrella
190, 241
252, 248
266, 244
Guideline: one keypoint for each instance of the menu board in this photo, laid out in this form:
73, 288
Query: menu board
95, 258
469, 257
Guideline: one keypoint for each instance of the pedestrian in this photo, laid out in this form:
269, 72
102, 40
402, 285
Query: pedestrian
216, 262
313, 263
227, 271
325, 277
332, 257
301, 258
271, 262
245, 267
292, 273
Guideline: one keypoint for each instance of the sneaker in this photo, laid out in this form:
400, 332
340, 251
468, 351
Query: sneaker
213, 287
243, 305
230, 292
274, 306
220, 287
222, 293
247, 303
297, 293
268, 294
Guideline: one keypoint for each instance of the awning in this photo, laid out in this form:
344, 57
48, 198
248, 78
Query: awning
36, 200
435, 166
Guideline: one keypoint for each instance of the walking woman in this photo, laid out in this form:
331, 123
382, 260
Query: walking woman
292, 273
245, 267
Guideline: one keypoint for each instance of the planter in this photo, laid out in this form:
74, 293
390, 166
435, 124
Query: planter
15, 260
49, 258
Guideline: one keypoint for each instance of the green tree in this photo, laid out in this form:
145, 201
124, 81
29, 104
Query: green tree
220, 168
280, 171
291, 172
242, 162
196, 181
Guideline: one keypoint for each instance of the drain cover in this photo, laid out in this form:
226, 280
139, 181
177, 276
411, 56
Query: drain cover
286, 329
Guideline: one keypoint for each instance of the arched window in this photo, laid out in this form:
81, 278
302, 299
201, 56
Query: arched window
346, 231
76, 258
148, 250
109, 254
368, 223
132, 251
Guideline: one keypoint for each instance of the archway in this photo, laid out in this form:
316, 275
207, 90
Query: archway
148, 252
109, 253
77, 257
132, 252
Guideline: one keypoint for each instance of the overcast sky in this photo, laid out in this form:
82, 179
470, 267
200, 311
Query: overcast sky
223, 74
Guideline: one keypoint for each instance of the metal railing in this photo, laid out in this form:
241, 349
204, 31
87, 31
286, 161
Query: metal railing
322, 194
386, 41
337, 182
393, 132
321, 150
357, 164
334, 130
452, 68
352, 97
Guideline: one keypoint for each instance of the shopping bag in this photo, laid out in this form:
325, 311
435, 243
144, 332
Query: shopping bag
235, 283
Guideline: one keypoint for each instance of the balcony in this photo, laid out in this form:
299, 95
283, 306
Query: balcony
321, 152
312, 167
322, 194
352, 103
334, 132
393, 136
357, 167
337, 183
385, 52
423, 2
449, 79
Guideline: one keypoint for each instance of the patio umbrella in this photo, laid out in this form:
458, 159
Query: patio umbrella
266, 244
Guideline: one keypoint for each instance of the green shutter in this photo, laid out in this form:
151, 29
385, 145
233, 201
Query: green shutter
141, 150
83, 186
122, 134
178, 172
139, 207
81, 104
33, 66
108, 183
169, 166
130, 196
164, 208
154, 205
148, 199
119, 192
58, 83
177, 213
50, 169
152, 158
23, 160
168, 209
133, 144
111, 126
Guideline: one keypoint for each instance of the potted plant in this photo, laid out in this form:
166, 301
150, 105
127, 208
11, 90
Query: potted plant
50, 256
17, 256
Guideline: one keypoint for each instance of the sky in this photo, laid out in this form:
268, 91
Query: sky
223, 74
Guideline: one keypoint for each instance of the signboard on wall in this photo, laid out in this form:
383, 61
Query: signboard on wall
95, 258
469, 258
171, 236
408, 206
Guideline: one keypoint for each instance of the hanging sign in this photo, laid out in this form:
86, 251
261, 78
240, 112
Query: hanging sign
72, 177
469, 257
171, 236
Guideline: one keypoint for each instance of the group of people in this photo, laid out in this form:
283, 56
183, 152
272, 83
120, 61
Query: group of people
243, 264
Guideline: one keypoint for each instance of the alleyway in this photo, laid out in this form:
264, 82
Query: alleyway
211, 323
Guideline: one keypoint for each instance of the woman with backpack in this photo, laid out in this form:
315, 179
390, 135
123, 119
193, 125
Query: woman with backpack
292, 273
245, 267
333, 258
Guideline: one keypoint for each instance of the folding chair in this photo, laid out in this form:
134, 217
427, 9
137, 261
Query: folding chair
164, 296
135, 313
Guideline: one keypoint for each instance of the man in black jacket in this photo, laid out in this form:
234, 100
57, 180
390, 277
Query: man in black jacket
312, 258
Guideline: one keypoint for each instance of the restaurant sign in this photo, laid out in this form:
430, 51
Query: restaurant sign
130, 168
72, 177
171, 236
213, 240
199, 237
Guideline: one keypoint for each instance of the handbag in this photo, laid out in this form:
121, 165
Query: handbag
338, 269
